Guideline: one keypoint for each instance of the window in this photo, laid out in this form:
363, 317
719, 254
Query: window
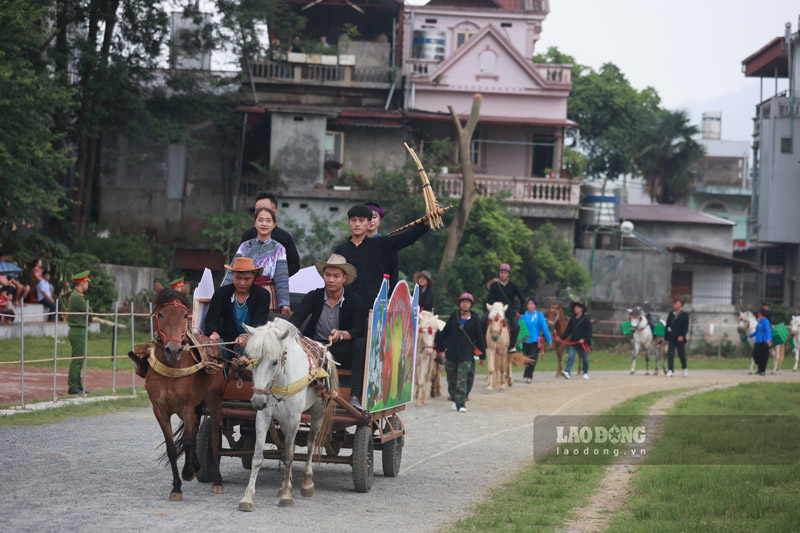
715, 207
334, 146
462, 36
543, 151
786, 145
476, 150
681, 283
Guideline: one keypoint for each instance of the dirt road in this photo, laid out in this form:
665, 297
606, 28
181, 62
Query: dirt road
100, 474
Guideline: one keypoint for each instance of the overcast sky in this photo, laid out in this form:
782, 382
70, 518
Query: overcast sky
689, 50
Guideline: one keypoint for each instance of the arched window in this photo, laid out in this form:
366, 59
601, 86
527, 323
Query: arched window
715, 207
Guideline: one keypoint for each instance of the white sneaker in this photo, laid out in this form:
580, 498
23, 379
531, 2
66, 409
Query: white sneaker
670, 374
566, 374
453, 406
462, 410
586, 376
685, 372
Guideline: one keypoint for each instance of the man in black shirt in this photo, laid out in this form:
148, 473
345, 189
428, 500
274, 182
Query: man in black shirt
675, 334
580, 327
371, 256
506, 291
373, 230
335, 312
281, 236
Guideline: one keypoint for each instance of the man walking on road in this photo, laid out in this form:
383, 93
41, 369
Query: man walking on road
677, 329
77, 331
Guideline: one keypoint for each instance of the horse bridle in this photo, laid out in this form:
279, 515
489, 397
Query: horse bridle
430, 332
556, 319
160, 335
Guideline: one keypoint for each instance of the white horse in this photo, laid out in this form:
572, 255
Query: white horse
642, 338
794, 329
747, 325
280, 390
498, 338
428, 373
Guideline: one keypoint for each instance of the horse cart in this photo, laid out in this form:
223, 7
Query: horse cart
362, 433
389, 365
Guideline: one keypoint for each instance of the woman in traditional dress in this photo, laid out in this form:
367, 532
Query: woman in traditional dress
269, 255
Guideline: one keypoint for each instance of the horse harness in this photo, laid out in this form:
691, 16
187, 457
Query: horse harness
202, 357
315, 355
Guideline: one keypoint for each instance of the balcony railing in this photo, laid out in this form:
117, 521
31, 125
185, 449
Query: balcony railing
321, 74
421, 68
524, 190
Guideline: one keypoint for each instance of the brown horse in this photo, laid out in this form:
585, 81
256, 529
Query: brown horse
557, 321
178, 381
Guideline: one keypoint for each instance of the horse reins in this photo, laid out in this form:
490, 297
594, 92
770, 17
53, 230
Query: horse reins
160, 333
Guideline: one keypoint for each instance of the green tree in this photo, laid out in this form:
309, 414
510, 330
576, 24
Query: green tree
666, 150
226, 229
30, 96
609, 111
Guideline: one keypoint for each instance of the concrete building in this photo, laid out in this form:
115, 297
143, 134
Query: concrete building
774, 217
722, 185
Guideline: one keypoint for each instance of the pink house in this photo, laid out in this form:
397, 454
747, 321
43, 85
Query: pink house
453, 49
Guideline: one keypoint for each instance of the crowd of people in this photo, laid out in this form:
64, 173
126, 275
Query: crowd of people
257, 281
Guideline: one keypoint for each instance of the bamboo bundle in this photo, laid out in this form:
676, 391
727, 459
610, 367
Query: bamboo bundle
433, 213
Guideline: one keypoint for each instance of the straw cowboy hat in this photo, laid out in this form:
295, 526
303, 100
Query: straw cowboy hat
245, 264
336, 260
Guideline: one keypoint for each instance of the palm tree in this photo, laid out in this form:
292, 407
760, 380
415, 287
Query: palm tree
665, 151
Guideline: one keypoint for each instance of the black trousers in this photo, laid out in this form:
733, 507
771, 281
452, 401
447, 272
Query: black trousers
513, 325
352, 354
51, 308
531, 349
761, 356
681, 346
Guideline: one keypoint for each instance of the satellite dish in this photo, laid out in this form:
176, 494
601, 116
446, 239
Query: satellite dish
626, 227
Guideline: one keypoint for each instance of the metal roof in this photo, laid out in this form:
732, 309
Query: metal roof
668, 213
771, 61
714, 257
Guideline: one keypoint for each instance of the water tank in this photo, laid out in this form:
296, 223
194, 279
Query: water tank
712, 125
429, 44
597, 206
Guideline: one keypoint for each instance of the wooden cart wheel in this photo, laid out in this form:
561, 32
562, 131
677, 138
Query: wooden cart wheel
393, 452
363, 453
248, 444
203, 448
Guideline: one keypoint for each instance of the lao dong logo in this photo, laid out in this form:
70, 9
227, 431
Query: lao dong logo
600, 434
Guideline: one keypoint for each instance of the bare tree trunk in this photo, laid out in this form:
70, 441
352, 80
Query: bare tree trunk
88, 147
455, 231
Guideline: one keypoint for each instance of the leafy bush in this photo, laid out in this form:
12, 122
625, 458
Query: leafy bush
226, 234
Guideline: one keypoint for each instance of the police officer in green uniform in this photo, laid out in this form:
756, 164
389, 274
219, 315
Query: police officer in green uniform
77, 330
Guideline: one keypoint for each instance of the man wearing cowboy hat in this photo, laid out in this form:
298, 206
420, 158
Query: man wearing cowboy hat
423, 279
241, 302
337, 313
580, 327
77, 330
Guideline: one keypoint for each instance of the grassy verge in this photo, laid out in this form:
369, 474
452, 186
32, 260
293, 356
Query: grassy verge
742, 497
59, 414
100, 345
620, 359
542, 496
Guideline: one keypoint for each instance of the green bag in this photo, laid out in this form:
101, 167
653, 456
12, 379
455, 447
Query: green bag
523, 332
625, 327
659, 330
780, 333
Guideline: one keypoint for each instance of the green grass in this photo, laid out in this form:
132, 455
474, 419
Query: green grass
59, 414
742, 497
100, 344
619, 358
542, 496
